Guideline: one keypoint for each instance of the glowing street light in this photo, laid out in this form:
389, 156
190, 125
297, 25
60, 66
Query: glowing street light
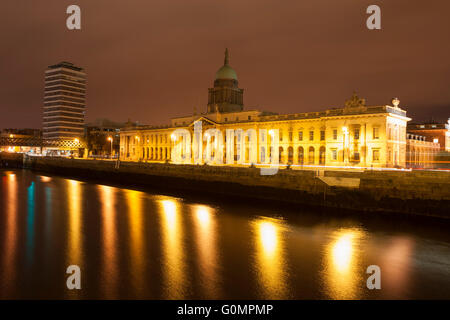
110, 139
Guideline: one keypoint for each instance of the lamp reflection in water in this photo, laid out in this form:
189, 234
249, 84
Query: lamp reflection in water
74, 251
270, 258
109, 238
206, 242
10, 240
342, 275
137, 251
172, 246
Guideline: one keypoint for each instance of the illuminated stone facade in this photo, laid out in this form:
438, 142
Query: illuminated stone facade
352, 135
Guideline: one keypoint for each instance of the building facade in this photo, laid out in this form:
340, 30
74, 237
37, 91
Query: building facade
354, 135
433, 132
64, 102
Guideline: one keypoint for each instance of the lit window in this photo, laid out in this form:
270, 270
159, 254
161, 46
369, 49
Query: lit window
311, 135
335, 134
356, 134
376, 133
300, 136
436, 140
376, 155
334, 154
322, 135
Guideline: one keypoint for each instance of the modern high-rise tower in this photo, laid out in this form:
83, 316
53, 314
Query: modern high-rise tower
64, 102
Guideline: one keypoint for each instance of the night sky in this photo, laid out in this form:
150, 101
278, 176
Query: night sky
151, 60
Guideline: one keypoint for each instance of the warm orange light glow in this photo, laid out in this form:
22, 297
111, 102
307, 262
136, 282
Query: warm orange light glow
341, 268
109, 236
137, 251
110, 139
74, 252
270, 258
173, 255
206, 242
45, 179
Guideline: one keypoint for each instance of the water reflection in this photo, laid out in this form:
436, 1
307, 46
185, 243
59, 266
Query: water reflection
173, 257
206, 232
30, 222
74, 251
109, 238
9, 255
136, 233
342, 274
270, 258
396, 266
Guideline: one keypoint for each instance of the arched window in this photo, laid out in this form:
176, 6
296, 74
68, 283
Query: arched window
311, 155
290, 155
322, 155
280, 155
300, 155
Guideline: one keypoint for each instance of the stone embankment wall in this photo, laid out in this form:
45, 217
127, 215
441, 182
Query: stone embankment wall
11, 160
417, 192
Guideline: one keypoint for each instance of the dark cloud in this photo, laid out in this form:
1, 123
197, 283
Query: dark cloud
152, 60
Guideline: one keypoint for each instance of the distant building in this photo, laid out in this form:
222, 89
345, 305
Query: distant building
102, 138
352, 135
21, 133
420, 153
20, 140
433, 132
64, 102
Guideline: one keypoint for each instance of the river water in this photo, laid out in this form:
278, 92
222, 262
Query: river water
138, 245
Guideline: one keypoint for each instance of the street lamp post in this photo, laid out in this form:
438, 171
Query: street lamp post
110, 139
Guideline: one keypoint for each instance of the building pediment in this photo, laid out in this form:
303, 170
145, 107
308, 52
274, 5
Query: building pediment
204, 120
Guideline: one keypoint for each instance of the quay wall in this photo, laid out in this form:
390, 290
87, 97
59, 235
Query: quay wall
408, 192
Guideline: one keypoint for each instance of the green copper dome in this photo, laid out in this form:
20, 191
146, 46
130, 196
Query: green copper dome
226, 72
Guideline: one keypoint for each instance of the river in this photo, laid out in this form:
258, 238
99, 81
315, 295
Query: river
134, 244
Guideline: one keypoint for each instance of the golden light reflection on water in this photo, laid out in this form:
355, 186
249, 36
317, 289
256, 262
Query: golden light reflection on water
172, 246
74, 251
270, 258
206, 242
45, 179
137, 251
11, 229
342, 274
109, 236
396, 266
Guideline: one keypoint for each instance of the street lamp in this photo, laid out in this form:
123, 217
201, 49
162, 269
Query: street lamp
110, 139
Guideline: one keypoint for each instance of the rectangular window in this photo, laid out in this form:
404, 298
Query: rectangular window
300, 136
281, 135
322, 135
290, 135
376, 133
226, 119
376, 155
333, 154
356, 156
356, 134
311, 135
335, 134
249, 117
